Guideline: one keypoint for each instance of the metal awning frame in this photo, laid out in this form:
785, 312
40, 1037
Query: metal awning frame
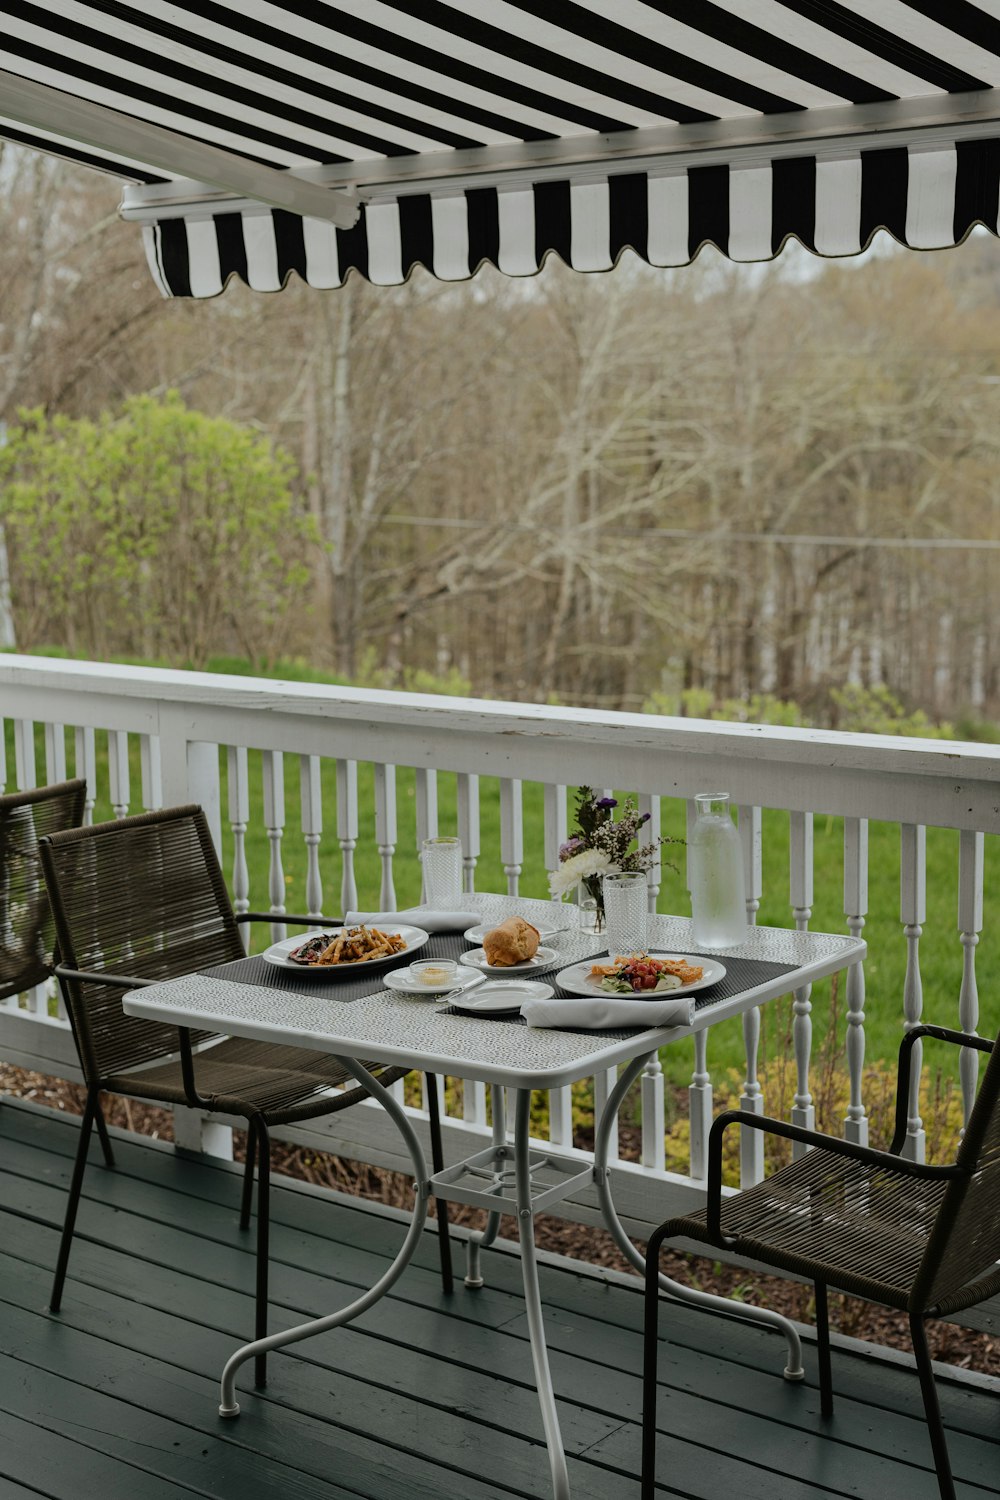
923, 124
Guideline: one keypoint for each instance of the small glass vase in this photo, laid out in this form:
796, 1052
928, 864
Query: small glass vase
589, 905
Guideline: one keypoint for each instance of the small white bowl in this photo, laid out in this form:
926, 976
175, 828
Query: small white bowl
434, 973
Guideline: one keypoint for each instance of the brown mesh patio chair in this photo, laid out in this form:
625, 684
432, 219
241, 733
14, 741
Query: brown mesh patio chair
26, 937
142, 900
925, 1240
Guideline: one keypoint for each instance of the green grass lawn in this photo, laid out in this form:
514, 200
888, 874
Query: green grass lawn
940, 951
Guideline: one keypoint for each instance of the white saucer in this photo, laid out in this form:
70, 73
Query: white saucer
545, 958
501, 997
403, 982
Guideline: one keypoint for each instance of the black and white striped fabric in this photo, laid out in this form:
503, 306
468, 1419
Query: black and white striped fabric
357, 91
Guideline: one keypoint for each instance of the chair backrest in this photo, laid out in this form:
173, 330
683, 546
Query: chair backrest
141, 897
26, 933
965, 1241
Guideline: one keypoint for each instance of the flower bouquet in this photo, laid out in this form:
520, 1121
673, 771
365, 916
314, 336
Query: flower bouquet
602, 845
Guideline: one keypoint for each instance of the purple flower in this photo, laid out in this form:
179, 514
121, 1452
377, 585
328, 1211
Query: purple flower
571, 847
606, 802
645, 817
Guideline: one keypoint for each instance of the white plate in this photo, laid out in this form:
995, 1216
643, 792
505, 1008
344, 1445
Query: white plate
414, 938
501, 997
543, 959
403, 982
578, 981
550, 929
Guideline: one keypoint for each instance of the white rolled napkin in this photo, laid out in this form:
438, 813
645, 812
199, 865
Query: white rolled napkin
608, 1012
430, 921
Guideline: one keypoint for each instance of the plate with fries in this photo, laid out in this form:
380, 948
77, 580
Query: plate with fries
346, 949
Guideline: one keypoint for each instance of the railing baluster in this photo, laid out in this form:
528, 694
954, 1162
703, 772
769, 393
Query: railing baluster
347, 831
855, 909
311, 799
468, 826
151, 772
426, 791
554, 832
700, 1107
3, 757
119, 778
752, 1098
238, 778
511, 833
970, 923
55, 753
385, 831
801, 896
473, 1102
274, 822
24, 755
913, 914
649, 835
85, 765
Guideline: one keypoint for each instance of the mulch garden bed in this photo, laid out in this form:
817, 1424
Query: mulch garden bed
849, 1315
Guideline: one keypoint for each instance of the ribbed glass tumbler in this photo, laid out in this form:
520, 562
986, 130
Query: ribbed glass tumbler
626, 911
442, 862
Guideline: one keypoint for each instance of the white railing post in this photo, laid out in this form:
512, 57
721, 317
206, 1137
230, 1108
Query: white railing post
150, 772
511, 833
700, 1108
913, 914
273, 767
426, 794
311, 804
385, 831
24, 755
347, 832
970, 923
119, 778
752, 1097
238, 796
468, 826
85, 767
55, 753
801, 894
855, 909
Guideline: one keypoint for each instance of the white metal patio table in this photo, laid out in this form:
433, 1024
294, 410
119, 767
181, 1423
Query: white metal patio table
509, 1177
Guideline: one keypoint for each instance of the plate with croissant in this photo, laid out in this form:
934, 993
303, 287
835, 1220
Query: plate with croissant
545, 930
511, 948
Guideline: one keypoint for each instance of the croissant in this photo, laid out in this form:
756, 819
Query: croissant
512, 942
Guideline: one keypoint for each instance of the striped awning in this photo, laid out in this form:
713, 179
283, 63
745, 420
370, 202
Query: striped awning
321, 136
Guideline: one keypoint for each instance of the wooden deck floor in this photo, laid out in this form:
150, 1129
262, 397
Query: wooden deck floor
424, 1398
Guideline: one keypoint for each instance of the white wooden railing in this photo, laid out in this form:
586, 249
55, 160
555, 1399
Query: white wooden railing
76, 717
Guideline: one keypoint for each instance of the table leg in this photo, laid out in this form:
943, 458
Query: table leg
229, 1406
533, 1300
602, 1180
482, 1241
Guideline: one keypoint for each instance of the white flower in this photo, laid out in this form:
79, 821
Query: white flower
578, 867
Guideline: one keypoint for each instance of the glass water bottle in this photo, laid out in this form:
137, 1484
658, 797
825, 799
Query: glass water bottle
715, 875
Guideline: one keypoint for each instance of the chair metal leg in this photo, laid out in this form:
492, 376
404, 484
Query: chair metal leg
76, 1184
650, 1353
928, 1390
823, 1350
102, 1131
247, 1199
437, 1165
263, 1227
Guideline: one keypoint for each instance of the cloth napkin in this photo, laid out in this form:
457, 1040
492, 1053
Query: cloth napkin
430, 921
609, 1012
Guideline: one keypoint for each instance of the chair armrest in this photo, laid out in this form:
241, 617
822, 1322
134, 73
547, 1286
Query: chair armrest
906, 1046
288, 916
832, 1143
85, 976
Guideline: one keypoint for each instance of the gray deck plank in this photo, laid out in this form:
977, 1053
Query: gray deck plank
161, 1287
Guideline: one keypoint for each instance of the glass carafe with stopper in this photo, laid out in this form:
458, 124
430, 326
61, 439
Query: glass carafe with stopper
715, 875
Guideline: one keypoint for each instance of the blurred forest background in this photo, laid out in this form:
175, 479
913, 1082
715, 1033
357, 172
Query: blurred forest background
705, 490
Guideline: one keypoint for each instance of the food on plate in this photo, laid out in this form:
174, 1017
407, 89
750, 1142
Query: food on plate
513, 942
350, 946
640, 974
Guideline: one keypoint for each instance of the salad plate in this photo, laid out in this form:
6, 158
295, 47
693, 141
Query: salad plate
543, 959
579, 979
413, 938
501, 997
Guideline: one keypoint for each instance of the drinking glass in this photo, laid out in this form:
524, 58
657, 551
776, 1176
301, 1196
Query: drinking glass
626, 909
442, 862
715, 874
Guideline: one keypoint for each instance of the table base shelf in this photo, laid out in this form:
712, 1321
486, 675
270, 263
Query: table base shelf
488, 1180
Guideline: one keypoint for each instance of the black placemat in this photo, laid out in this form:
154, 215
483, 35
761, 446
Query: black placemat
741, 974
353, 984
